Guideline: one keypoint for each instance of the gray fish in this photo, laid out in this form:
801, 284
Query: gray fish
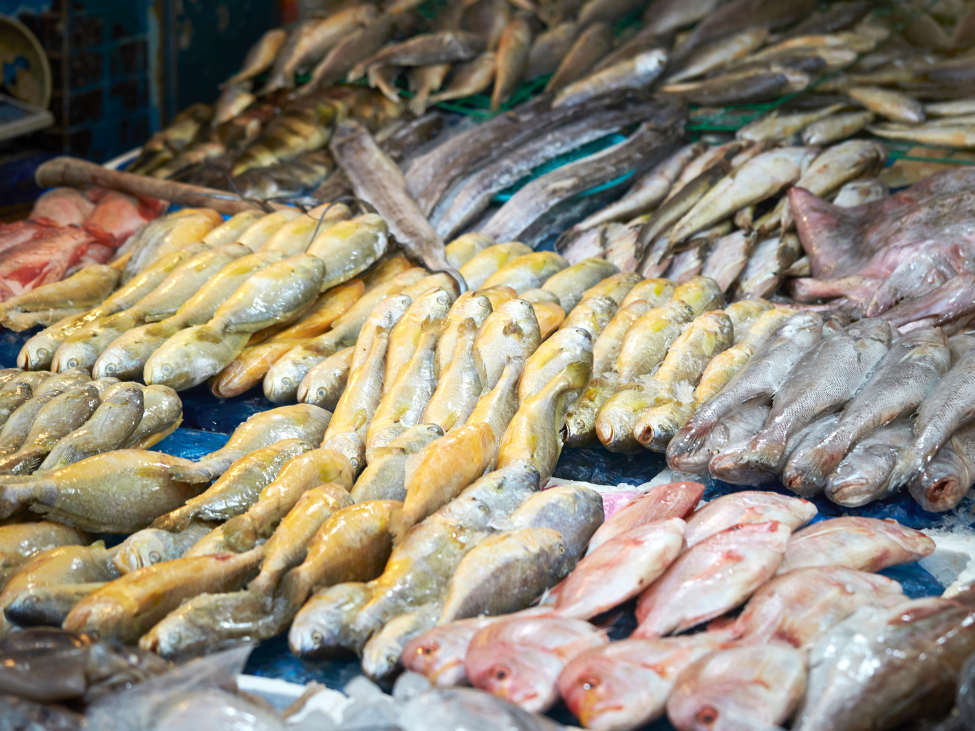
899, 384
384, 478
488, 19
153, 545
357, 47
381, 655
630, 75
825, 378
550, 48
740, 14
47, 606
324, 623
666, 16
731, 432
574, 511
261, 56
423, 50
862, 476
18, 425
947, 478
162, 413
469, 78
424, 81
591, 45
737, 87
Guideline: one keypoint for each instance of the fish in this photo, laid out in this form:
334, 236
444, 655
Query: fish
525, 561
236, 489
384, 478
428, 312
425, 80
732, 564
738, 87
658, 503
464, 248
168, 235
70, 564
520, 659
511, 331
48, 606
893, 105
862, 475
575, 511
549, 48
424, 49
665, 16
761, 683
527, 272
233, 99
646, 146
497, 406
129, 606
513, 51
192, 356
762, 376
459, 387
109, 427
87, 288
886, 697
469, 79
742, 508
552, 356
20, 542
486, 263
861, 544
488, 19
592, 314
767, 264
299, 421
938, 416
625, 684
162, 413
946, 479
650, 337
260, 57
743, 13
164, 144
900, 383
835, 127
731, 431
590, 45
63, 206
324, 622
323, 385
534, 432
722, 53
353, 545
623, 566
381, 654
438, 654
774, 127
153, 545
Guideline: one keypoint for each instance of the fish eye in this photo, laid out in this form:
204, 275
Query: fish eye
321, 393
72, 363
500, 673
429, 648
707, 715
590, 683
561, 549
154, 556
110, 368
43, 352
317, 637
286, 382
166, 369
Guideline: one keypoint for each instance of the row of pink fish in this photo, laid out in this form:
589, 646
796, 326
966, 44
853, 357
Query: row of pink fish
690, 566
67, 230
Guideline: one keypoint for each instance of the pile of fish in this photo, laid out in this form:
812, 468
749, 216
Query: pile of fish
806, 592
66, 231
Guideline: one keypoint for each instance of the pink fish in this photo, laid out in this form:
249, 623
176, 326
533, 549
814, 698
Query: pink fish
862, 544
63, 206
29, 265
519, 659
672, 500
716, 575
740, 687
620, 569
120, 216
21, 232
624, 685
748, 506
438, 654
797, 608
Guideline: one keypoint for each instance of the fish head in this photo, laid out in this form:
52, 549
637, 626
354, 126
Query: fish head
497, 295
439, 653
474, 305
79, 352
351, 446
381, 657
282, 381
177, 636
144, 548
123, 360
520, 675
606, 693
37, 352
321, 628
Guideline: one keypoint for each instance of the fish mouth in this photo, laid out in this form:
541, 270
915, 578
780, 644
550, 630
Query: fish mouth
941, 491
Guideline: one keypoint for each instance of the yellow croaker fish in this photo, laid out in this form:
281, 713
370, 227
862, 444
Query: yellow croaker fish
475, 306
260, 232
127, 608
350, 247
444, 468
38, 352
484, 264
127, 355
616, 287
295, 236
593, 314
324, 384
237, 488
893, 105
534, 434
459, 385
528, 271
551, 358
166, 235
709, 334
247, 370
962, 137
570, 284
497, 296
649, 338
353, 545
652, 291
511, 332
836, 127
464, 248
83, 290
298, 475
549, 317
427, 310
384, 478
162, 413
230, 230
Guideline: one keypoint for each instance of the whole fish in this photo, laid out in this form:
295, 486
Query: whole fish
520, 659
525, 561
497, 406
19, 542
893, 105
527, 272
261, 56
353, 545
775, 127
168, 235
192, 356
592, 314
915, 362
237, 489
625, 684
835, 127
713, 577
891, 692
862, 544
423, 50
469, 79
128, 607
324, 469
511, 331
324, 623
381, 654
85, 289
534, 432
740, 14
659, 503
109, 427
722, 53
549, 48
324, 384
153, 545
552, 356
760, 683
569, 284
513, 51
940, 414
862, 476
948, 477
622, 567
438, 654
799, 607
791, 411
589, 47
747, 507
485, 263
162, 413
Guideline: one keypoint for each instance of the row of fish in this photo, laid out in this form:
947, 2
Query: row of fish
803, 589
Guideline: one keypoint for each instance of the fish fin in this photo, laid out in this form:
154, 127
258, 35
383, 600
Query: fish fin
826, 231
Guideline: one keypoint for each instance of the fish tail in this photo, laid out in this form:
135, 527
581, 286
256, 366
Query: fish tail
15, 496
825, 230
293, 589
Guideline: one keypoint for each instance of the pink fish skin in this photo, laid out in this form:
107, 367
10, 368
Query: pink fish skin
624, 685
119, 216
716, 575
734, 688
14, 234
29, 265
63, 206
862, 544
620, 569
671, 500
798, 608
748, 506
519, 659
438, 654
